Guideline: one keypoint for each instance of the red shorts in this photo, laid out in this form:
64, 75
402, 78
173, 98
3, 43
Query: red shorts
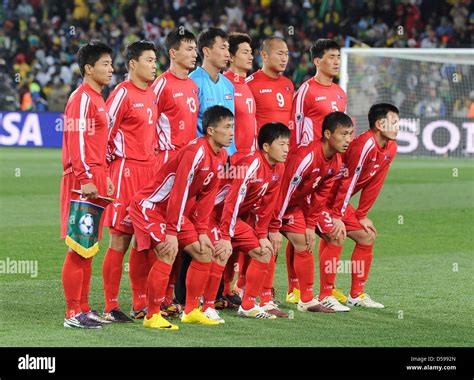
163, 157
128, 178
150, 228
245, 238
350, 220
294, 221
70, 182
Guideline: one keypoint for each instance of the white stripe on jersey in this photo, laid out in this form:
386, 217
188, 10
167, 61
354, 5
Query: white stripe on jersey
197, 159
119, 142
300, 95
162, 192
164, 133
242, 192
307, 161
116, 104
368, 146
119, 182
222, 195
83, 111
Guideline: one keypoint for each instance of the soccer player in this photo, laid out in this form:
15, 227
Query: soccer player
85, 168
273, 92
132, 135
310, 172
161, 222
245, 131
249, 192
176, 96
213, 89
366, 164
178, 104
316, 98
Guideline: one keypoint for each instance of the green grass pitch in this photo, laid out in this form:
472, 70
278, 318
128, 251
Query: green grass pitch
422, 269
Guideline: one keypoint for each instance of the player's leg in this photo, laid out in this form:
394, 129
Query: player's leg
197, 276
139, 267
361, 261
293, 293
329, 257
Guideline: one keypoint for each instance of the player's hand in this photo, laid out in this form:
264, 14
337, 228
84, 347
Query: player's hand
169, 247
368, 226
339, 230
223, 249
277, 240
110, 187
89, 190
310, 235
205, 242
266, 247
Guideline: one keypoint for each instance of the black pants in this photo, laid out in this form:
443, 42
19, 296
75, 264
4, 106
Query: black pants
180, 286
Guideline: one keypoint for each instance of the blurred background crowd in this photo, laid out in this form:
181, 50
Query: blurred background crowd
39, 38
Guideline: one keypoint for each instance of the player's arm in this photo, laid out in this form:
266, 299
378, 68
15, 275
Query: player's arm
234, 199
267, 207
298, 114
117, 107
184, 177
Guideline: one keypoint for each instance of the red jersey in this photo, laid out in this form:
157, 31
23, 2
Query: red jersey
307, 172
273, 97
85, 133
254, 189
193, 172
365, 165
178, 106
245, 124
312, 102
132, 129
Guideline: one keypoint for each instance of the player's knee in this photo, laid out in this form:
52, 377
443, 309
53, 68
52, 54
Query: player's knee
266, 257
367, 239
337, 242
120, 241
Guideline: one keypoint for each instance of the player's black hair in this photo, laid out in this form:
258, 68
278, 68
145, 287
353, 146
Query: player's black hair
267, 42
380, 111
90, 53
135, 50
272, 131
235, 39
321, 46
214, 115
174, 38
207, 38
336, 119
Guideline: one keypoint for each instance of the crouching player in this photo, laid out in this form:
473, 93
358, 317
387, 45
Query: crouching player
251, 187
366, 164
160, 223
309, 174
85, 168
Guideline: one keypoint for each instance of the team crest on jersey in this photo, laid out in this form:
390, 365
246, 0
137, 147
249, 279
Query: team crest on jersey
287, 88
194, 91
299, 117
330, 171
340, 97
275, 177
387, 157
220, 167
228, 97
295, 181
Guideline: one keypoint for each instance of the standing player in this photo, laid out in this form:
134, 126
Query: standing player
177, 112
245, 129
213, 89
85, 168
316, 98
366, 164
273, 92
159, 216
132, 134
310, 171
253, 191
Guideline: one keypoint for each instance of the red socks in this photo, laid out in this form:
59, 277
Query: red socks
73, 282
266, 295
255, 276
212, 286
229, 272
139, 269
196, 281
292, 277
244, 261
304, 268
112, 273
173, 277
86, 284
360, 264
328, 264
157, 281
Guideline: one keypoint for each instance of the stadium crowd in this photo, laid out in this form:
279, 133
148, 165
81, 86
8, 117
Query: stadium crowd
39, 38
